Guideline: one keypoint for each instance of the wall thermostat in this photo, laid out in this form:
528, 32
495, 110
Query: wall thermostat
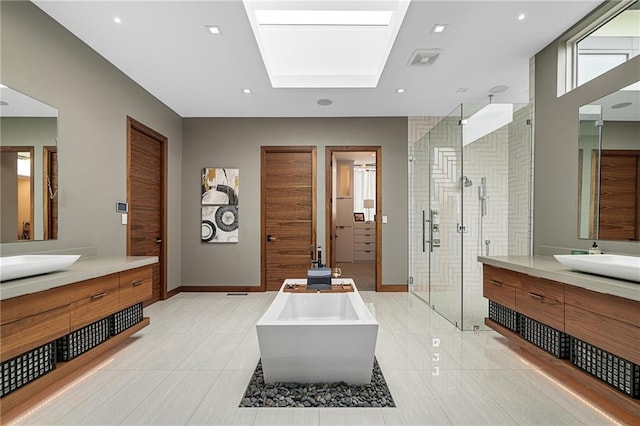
122, 207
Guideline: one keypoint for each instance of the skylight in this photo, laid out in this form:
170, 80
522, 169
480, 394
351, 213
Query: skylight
304, 44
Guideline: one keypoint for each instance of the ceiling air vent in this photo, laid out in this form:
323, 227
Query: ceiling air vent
421, 57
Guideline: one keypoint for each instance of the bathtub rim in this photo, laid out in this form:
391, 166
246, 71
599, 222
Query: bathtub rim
270, 316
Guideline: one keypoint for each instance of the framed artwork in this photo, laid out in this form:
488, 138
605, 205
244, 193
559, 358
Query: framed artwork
219, 186
220, 224
358, 217
219, 204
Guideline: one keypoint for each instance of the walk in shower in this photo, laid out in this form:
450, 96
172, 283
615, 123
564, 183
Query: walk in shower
470, 186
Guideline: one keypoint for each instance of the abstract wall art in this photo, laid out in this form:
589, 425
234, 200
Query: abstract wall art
219, 195
219, 186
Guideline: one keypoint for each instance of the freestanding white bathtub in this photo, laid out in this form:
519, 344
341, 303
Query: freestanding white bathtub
317, 337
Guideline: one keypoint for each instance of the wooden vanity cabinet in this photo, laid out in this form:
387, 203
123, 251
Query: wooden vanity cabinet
541, 300
32, 320
499, 286
36, 319
608, 322
93, 300
135, 286
602, 321
536, 298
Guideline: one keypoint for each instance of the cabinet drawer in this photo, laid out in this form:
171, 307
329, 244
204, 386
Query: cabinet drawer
369, 228
364, 255
500, 293
616, 337
83, 289
25, 306
614, 307
542, 300
364, 238
25, 334
503, 276
367, 246
101, 298
135, 286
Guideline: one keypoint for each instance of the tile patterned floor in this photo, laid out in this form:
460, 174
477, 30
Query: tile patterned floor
193, 363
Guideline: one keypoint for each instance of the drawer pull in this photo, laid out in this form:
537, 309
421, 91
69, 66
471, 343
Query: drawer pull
99, 295
136, 283
536, 296
499, 284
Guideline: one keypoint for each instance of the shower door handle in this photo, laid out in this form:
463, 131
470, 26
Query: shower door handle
423, 238
430, 240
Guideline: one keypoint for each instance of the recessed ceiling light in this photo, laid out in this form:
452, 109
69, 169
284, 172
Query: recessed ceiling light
439, 28
246, 91
521, 17
324, 102
213, 29
117, 20
400, 90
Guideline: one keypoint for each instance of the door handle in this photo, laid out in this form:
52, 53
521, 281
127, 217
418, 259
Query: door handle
158, 240
271, 238
430, 240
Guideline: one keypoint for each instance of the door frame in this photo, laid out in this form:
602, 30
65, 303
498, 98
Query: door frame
329, 151
49, 183
133, 124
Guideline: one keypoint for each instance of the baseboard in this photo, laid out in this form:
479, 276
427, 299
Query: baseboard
221, 288
397, 288
173, 292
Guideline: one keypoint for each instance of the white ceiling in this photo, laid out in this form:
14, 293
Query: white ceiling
15, 104
165, 47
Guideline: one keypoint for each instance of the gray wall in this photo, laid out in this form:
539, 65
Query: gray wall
43, 60
556, 152
235, 142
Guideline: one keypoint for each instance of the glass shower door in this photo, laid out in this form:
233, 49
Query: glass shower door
444, 218
418, 212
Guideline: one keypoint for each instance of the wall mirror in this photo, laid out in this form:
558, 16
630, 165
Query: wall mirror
29, 158
609, 167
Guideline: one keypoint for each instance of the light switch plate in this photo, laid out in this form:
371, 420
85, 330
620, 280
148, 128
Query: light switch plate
124, 218
384, 219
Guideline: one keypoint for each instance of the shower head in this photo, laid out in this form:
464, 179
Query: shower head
465, 181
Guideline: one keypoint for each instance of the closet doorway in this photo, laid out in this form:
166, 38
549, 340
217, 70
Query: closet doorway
353, 209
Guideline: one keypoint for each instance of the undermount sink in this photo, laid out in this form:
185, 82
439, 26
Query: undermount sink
609, 265
12, 267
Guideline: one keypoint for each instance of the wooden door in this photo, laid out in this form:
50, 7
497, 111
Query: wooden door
288, 213
619, 195
146, 187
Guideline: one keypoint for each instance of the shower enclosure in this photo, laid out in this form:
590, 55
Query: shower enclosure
470, 186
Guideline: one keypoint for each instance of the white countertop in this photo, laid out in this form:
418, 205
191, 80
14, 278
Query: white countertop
549, 268
83, 269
